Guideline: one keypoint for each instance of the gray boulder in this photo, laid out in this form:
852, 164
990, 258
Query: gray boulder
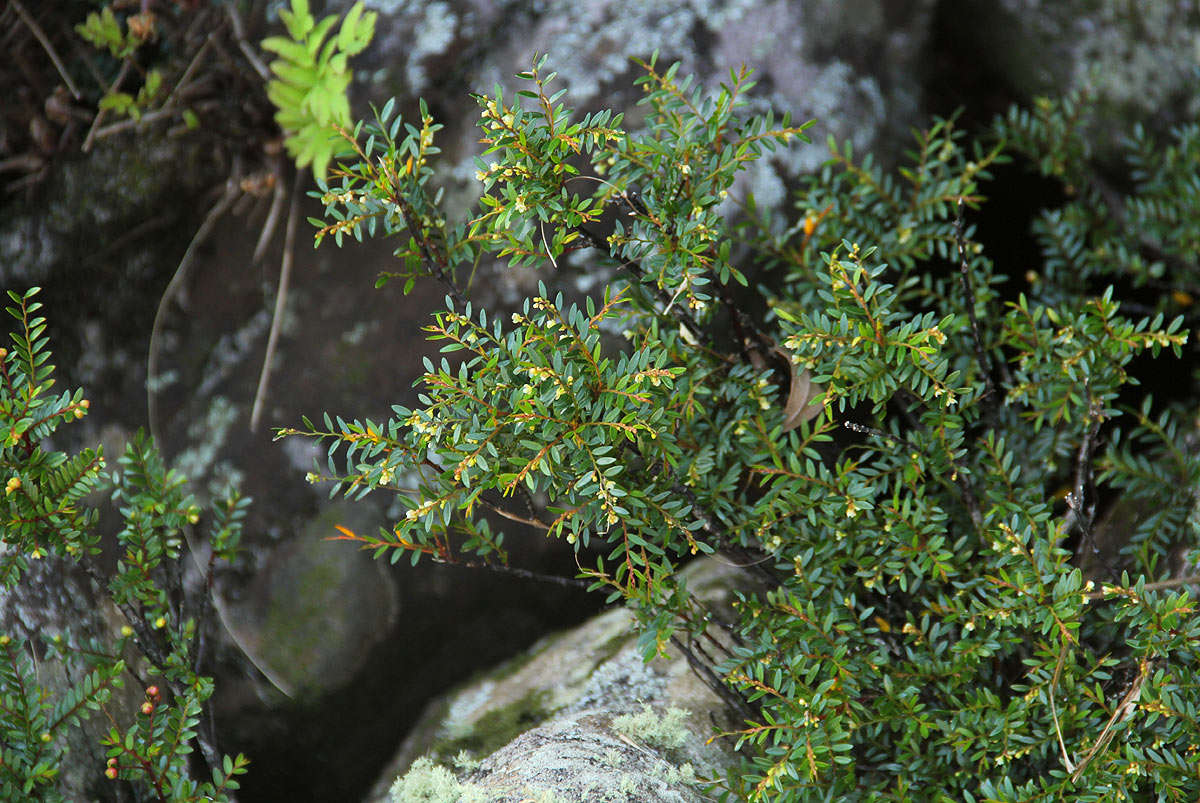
579, 716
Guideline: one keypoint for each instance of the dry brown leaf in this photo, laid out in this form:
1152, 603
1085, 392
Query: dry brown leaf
804, 396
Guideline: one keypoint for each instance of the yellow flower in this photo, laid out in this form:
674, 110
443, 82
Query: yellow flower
13, 484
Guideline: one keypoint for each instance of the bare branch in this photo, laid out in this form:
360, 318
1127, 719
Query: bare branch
285, 272
985, 362
31, 23
239, 33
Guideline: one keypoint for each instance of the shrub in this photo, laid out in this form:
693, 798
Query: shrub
864, 410
47, 516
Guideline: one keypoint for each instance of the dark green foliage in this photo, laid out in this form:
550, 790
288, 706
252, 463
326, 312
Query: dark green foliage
938, 621
46, 516
32, 724
1149, 236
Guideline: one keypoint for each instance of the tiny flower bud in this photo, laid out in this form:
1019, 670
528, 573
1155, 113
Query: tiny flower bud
152, 692
160, 622
147, 708
111, 773
126, 631
46, 737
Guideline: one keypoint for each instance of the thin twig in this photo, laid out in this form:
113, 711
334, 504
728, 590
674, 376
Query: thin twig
99, 118
137, 232
1123, 711
1062, 655
434, 264
130, 123
285, 272
985, 362
239, 33
873, 432
526, 574
542, 229
528, 521
679, 314
734, 700
272, 221
31, 23
218, 209
1081, 501
193, 65
167, 107
1160, 585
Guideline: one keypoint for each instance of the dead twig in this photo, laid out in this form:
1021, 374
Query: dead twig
133, 235
285, 272
40, 35
1161, 585
985, 362
272, 221
1123, 711
1062, 655
128, 124
239, 33
1081, 501
99, 118
165, 110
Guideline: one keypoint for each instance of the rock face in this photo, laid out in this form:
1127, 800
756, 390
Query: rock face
579, 716
853, 66
312, 614
1137, 61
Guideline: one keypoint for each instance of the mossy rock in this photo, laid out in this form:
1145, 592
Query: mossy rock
314, 611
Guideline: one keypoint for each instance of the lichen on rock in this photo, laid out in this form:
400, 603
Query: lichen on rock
580, 715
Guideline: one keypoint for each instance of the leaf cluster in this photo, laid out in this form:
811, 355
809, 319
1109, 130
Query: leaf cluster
103, 31
311, 77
